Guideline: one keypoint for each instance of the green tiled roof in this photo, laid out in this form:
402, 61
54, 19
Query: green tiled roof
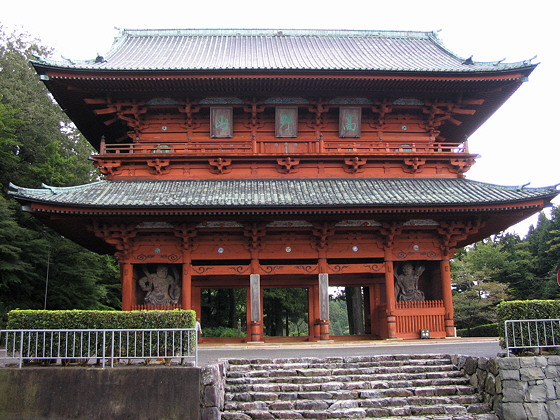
258, 49
276, 194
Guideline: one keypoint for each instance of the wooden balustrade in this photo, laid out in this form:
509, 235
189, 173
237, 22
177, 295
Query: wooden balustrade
284, 147
156, 307
414, 316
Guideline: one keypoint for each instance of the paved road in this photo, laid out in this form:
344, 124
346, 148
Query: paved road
471, 347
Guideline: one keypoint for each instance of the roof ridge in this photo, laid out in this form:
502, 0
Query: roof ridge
278, 32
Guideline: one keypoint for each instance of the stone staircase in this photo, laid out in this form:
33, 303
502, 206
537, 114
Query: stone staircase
388, 386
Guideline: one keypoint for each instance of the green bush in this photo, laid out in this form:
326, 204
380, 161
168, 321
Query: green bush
78, 319
486, 330
526, 309
220, 332
48, 343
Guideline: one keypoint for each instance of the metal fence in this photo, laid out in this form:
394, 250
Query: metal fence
99, 346
528, 334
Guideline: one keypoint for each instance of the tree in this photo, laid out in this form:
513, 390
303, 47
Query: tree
38, 144
478, 289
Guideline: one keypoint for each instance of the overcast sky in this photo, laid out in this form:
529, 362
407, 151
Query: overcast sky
518, 144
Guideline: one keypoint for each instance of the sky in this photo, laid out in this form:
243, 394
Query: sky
519, 144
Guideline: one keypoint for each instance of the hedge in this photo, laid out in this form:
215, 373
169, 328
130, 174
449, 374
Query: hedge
79, 319
486, 330
525, 309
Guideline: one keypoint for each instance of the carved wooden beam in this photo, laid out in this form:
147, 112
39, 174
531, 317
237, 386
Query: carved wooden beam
118, 235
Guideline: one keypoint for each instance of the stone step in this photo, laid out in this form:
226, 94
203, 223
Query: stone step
339, 372
411, 412
279, 405
271, 396
286, 386
389, 386
350, 359
336, 365
384, 377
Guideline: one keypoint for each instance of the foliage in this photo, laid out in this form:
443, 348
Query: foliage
338, 322
38, 144
221, 332
285, 311
79, 319
486, 330
526, 309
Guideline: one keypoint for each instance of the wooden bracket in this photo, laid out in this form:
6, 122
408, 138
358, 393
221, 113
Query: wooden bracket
322, 233
254, 231
287, 165
413, 165
118, 235
107, 167
220, 165
354, 165
160, 166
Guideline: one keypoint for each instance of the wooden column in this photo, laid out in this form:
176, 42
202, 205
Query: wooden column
127, 274
324, 306
447, 298
390, 298
186, 287
255, 303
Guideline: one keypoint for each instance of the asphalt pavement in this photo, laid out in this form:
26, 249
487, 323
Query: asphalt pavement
487, 347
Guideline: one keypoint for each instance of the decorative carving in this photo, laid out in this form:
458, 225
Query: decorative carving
118, 235
322, 232
159, 165
161, 287
406, 284
255, 231
455, 231
107, 167
220, 165
354, 165
287, 165
413, 165
186, 233
462, 165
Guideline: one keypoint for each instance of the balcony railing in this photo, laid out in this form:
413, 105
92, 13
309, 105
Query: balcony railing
101, 346
285, 147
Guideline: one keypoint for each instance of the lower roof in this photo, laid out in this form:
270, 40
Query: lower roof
280, 194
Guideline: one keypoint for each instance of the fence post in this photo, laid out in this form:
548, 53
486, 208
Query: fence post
21, 350
103, 349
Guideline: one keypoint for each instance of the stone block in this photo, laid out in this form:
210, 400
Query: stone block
470, 365
344, 404
541, 361
209, 375
514, 391
483, 363
531, 373
509, 374
553, 408
493, 367
490, 385
550, 389
553, 360
536, 393
508, 363
536, 411
526, 362
211, 413
514, 411
552, 371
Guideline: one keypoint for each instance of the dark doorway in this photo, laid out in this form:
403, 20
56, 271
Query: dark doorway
285, 312
223, 312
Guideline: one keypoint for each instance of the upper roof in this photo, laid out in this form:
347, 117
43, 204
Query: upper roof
241, 49
277, 194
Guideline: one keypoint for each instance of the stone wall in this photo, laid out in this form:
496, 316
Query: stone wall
142, 392
212, 383
518, 388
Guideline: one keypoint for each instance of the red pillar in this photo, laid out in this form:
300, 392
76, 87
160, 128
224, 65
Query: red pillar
127, 286
186, 287
447, 298
390, 298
